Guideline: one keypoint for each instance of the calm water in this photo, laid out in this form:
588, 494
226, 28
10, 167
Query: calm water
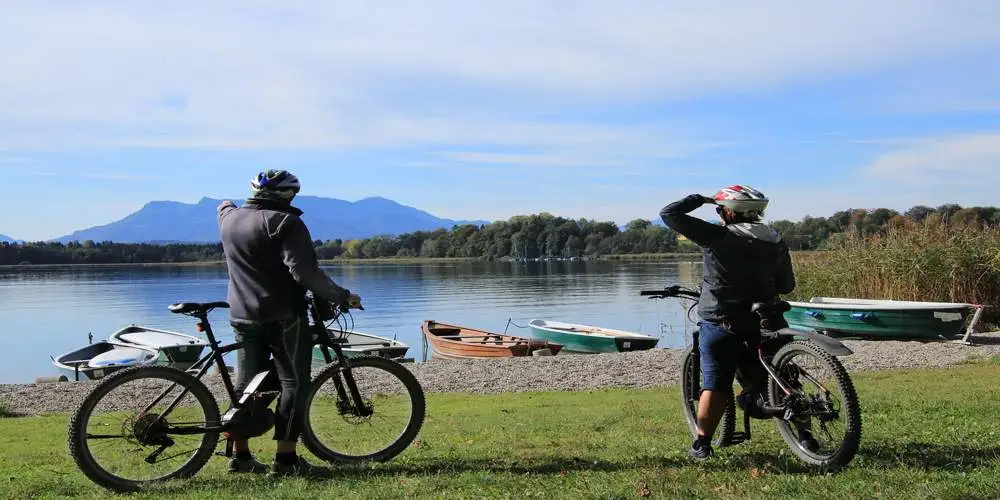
48, 312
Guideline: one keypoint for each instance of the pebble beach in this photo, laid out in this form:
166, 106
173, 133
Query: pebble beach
640, 370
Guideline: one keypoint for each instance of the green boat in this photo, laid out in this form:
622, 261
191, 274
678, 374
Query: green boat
590, 339
883, 319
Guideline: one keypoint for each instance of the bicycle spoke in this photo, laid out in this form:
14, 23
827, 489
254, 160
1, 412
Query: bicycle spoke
157, 440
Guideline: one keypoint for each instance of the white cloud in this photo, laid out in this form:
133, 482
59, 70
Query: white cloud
959, 159
269, 74
15, 160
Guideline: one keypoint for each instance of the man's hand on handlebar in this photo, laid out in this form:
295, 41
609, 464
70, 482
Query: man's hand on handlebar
354, 302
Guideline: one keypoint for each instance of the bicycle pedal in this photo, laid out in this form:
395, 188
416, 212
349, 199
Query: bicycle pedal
738, 438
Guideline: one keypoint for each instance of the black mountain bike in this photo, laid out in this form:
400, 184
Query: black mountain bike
807, 420
166, 421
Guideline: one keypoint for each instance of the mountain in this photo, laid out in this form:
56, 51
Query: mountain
327, 218
6, 239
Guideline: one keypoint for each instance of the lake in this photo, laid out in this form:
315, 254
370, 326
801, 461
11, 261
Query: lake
47, 312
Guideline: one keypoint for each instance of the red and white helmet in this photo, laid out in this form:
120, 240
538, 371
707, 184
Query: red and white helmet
741, 199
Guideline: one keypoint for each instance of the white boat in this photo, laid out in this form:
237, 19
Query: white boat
177, 348
102, 358
356, 344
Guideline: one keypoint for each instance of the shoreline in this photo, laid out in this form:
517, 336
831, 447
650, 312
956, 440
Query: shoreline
329, 262
632, 370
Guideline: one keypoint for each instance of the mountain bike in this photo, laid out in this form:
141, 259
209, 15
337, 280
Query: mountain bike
803, 418
168, 421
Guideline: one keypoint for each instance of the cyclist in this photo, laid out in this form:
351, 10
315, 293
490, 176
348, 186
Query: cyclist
272, 262
745, 261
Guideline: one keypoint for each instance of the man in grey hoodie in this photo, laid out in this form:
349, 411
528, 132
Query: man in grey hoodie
272, 263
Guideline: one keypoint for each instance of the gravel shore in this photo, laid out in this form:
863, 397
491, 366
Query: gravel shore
645, 369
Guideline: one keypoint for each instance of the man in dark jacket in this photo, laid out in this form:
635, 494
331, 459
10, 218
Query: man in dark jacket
271, 263
745, 261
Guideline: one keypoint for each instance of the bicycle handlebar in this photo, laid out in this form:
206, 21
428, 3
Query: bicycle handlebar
671, 291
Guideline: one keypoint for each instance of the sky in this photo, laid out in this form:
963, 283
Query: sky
487, 109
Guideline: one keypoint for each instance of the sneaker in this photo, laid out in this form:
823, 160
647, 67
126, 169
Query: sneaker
700, 452
301, 468
250, 465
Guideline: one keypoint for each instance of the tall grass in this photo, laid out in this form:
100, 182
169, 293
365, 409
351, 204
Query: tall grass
909, 261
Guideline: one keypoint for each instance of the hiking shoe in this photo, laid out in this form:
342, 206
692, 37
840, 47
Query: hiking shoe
250, 465
301, 468
700, 452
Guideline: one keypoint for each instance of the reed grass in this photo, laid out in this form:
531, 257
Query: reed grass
909, 261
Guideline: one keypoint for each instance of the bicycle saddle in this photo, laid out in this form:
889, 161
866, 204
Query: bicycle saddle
195, 307
774, 306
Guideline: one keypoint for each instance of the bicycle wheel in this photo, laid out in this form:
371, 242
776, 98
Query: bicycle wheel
691, 380
834, 441
336, 432
116, 411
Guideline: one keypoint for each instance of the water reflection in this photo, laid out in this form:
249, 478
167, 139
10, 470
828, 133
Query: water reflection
47, 312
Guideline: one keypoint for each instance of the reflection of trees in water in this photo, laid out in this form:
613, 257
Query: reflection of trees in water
689, 272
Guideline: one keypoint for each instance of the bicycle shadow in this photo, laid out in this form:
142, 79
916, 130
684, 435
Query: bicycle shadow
933, 457
930, 457
436, 466
874, 456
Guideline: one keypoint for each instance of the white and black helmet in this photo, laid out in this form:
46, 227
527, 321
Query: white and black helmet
742, 199
281, 183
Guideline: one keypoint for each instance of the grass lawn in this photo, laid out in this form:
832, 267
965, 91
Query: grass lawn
926, 434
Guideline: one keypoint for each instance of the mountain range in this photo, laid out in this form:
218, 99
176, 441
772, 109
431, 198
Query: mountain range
6, 239
327, 219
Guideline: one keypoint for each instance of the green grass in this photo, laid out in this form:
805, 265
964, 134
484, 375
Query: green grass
927, 434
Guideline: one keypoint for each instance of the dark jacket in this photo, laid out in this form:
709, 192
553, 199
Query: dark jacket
271, 261
744, 262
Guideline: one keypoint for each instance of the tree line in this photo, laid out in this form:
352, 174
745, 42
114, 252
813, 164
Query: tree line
521, 237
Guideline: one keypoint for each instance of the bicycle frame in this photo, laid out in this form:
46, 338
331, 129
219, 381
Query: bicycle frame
216, 356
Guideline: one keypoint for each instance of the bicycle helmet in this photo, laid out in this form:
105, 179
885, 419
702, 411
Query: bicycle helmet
741, 199
280, 183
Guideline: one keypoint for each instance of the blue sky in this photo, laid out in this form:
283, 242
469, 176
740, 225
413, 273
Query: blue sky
487, 109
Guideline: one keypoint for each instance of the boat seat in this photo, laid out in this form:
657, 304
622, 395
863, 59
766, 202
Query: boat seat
196, 307
774, 306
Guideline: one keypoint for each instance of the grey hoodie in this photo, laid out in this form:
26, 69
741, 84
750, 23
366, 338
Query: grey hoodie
271, 261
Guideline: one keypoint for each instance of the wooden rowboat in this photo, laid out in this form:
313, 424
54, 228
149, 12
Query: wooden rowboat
453, 341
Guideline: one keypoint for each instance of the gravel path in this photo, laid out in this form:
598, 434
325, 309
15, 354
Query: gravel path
645, 369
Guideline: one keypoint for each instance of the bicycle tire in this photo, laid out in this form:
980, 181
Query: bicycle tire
852, 409
691, 393
414, 390
80, 451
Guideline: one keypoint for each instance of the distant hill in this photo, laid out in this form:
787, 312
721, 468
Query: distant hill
6, 239
327, 218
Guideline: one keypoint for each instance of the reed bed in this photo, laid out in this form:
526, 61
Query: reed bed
910, 261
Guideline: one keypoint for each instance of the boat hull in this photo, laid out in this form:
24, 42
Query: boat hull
871, 319
458, 342
358, 344
581, 342
98, 360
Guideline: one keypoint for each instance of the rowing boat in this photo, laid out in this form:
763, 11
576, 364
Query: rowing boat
453, 341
